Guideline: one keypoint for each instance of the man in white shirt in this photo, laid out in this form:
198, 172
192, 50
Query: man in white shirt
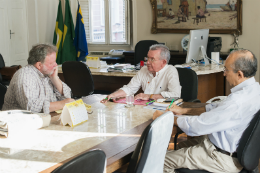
157, 79
222, 123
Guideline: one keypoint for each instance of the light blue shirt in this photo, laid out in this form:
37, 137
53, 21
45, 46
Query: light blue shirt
225, 122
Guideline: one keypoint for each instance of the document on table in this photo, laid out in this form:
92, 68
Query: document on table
93, 98
155, 107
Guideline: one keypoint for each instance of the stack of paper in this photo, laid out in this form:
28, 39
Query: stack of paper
16, 121
121, 68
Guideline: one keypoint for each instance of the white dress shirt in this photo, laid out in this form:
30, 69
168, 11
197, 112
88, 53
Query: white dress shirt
166, 82
225, 122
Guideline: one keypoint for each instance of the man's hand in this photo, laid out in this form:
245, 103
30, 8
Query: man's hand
68, 100
107, 98
176, 110
54, 106
142, 96
54, 74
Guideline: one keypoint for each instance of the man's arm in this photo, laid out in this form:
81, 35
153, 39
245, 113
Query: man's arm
56, 81
186, 111
143, 96
54, 106
117, 94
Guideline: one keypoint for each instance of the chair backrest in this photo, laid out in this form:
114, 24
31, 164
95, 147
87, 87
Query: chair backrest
78, 77
248, 148
93, 161
2, 94
151, 148
141, 50
189, 84
2, 62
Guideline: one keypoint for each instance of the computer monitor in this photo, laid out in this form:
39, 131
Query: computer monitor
197, 46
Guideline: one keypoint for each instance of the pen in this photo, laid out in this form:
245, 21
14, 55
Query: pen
180, 103
171, 104
148, 103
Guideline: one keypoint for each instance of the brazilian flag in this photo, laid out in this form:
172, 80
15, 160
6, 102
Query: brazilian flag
68, 49
58, 32
80, 41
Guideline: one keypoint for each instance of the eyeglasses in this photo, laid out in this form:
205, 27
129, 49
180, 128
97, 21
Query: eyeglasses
225, 69
150, 59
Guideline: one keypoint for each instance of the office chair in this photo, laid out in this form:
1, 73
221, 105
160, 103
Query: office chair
189, 83
2, 95
189, 91
248, 150
78, 77
93, 161
6, 73
151, 148
141, 50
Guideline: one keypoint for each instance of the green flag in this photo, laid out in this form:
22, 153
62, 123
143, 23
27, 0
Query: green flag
58, 32
68, 49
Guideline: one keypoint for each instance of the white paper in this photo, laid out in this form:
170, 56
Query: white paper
155, 107
16, 121
93, 98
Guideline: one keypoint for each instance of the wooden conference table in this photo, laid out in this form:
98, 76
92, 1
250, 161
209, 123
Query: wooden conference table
112, 128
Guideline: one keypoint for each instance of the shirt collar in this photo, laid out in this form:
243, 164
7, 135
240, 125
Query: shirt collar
240, 86
161, 71
37, 71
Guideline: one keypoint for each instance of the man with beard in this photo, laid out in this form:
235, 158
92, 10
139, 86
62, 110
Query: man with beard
157, 79
37, 87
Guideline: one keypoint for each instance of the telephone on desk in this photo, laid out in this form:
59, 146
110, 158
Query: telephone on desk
116, 52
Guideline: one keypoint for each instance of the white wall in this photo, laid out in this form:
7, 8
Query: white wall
142, 22
32, 23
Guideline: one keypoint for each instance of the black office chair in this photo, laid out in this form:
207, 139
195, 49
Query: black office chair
79, 78
151, 148
189, 91
6, 73
248, 150
93, 161
141, 49
2, 95
189, 83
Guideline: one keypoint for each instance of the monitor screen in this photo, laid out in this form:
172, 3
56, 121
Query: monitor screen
197, 45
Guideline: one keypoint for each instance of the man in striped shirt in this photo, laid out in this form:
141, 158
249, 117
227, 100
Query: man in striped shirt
37, 87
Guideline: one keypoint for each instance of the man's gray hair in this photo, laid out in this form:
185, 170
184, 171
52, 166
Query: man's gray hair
39, 52
246, 62
165, 53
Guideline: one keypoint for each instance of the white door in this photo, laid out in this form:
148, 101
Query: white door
18, 32
4, 31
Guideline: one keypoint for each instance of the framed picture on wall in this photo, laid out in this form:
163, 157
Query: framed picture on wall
181, 16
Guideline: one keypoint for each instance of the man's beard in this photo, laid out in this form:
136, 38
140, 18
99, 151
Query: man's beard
47, 72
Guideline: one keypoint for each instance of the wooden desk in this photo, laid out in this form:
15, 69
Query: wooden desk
211, 81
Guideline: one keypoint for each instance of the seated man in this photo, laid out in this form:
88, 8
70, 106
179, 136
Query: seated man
157, 79
200, 13
37, 87
222, 123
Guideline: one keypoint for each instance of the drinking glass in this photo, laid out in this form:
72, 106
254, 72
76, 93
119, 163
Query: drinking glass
129, 100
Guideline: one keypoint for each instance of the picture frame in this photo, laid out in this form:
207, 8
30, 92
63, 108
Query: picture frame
181, 16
